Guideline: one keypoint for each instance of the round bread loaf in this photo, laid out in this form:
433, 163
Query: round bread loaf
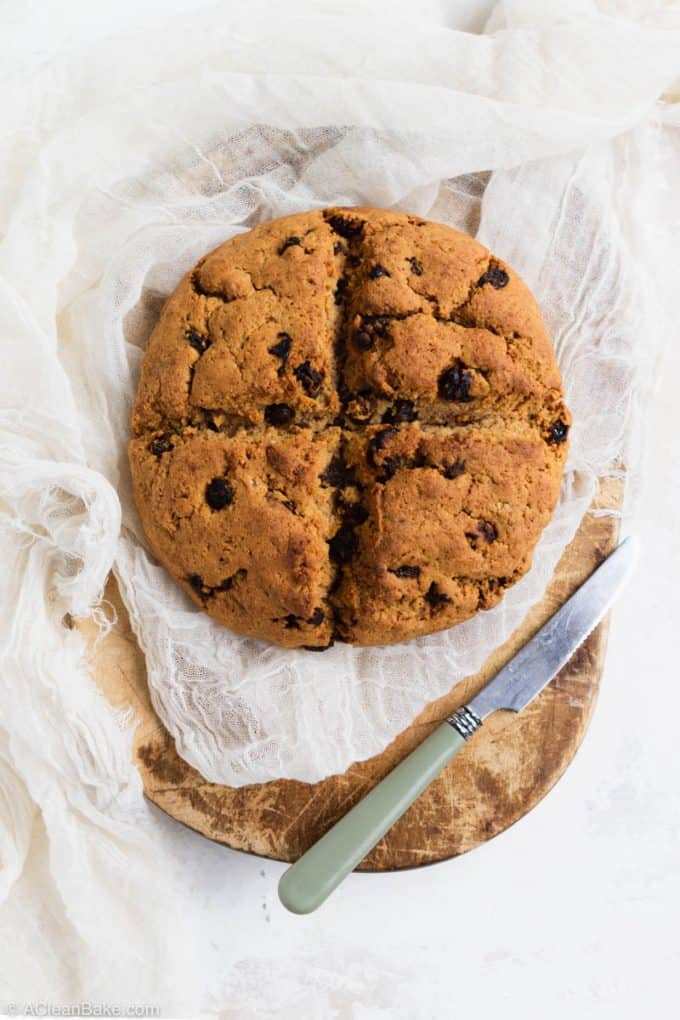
350, 426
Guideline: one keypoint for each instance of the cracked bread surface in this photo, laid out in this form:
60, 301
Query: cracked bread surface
349, 425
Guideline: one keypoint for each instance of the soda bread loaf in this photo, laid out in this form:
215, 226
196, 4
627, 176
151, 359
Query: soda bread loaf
350, 425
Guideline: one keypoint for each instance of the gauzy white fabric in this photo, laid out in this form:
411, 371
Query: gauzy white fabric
242, 710
123, 162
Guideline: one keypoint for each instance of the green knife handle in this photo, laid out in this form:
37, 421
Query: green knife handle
307, 883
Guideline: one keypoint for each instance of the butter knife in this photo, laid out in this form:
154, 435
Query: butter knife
308, 882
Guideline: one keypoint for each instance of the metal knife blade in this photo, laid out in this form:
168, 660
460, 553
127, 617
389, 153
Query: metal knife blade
525, 676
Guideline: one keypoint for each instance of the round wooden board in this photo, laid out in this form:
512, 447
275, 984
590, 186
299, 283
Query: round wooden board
502, 773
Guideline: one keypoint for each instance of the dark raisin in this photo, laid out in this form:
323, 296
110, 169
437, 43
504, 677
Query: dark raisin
228, 583
496, 276
416, 265
380, 438
338, 248
377, 442
161, 444
377, 271
281, 350
291, 622
218, 494
388, 469
337, 474
199, 342
343, 545
278, 414
341, 290
372, 327
290, 505
401, 410
434, 597
203, 590
346, 227
334, 474
354, 514
290, 242
418, 460
558, 432
363, 339
488, 531
405, 571
309, 378
455, 382
454, 470
485, 530
317, 617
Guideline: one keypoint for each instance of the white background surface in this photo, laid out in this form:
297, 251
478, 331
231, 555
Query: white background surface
573, 912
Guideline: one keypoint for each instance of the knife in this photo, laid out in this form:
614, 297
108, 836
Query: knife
308, 882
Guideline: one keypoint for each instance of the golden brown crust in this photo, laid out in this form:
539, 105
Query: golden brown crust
349, 424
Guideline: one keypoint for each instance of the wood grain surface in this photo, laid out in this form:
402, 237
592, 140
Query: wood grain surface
511, 763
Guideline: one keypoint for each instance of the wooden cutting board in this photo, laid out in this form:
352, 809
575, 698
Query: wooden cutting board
509, 766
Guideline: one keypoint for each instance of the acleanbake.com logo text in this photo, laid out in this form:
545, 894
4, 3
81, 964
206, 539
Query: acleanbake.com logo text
42, 1008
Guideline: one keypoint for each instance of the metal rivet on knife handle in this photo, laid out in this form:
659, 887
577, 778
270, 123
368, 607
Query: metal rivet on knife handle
465, 721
